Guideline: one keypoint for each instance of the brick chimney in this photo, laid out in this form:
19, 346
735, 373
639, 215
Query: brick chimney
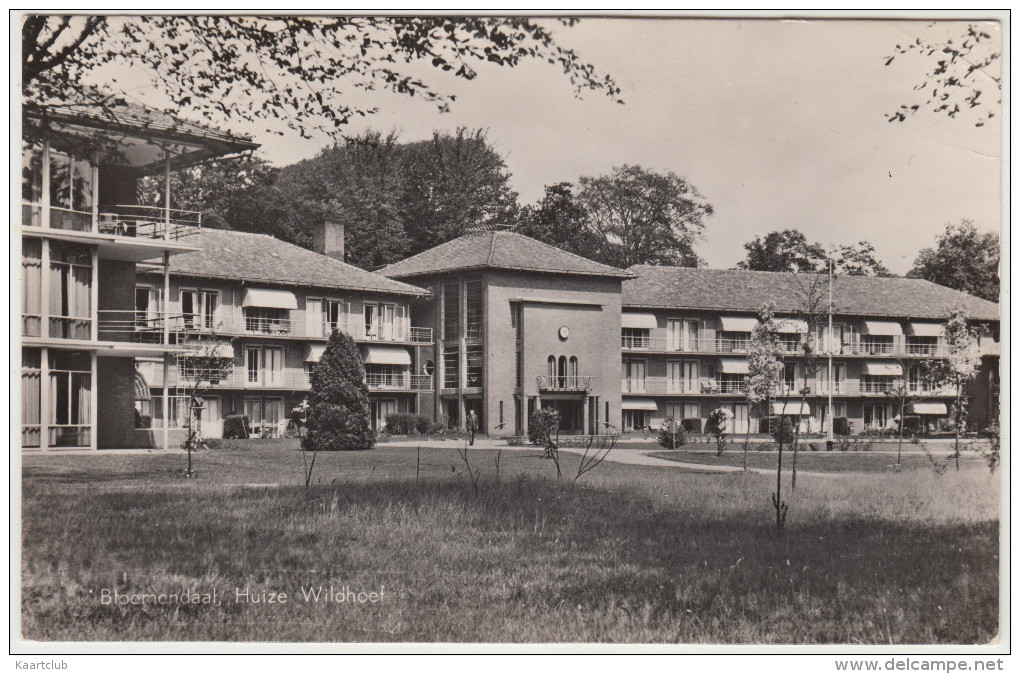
328, 239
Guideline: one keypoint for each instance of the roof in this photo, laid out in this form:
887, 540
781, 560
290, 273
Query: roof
262, 258
498, 250
746, 291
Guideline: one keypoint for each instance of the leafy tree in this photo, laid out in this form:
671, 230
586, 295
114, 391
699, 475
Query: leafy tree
858, 260
200, 367
232, 193
358, 183
671, 434
338, 413
962, 259
297, 71
787, 250
718, 425
639, 216
453, 182
559, 220
956, 369
960, 69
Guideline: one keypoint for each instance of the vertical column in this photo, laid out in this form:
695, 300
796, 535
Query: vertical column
166, 193
44, 286
166, 401
94, 295
44, 208
95, 191
45, 393
462, 353
94, 402
166, 298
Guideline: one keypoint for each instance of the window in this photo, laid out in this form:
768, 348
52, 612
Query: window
70, 399
31, 184
253, 365
475, 365
635, 420
266, 321
474, 299
519, 368
381, 321
731, 383
386, 376
70, 192
876, 345
198, 309
451, 366
178, 405
70, 291
561, 370
31, 397
517, 320
332, 315
31, 287
264, 365
924, 346
789, 377
734, 342
876, 383
633, 376
451, 310
634, 338
876, 415
790, 342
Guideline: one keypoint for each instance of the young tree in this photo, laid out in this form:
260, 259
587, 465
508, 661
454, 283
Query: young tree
643, 217
902, 396
787, 250
296, 71
962, 66
764, 376
956, 369
338, 413
718, 426
203, 365
962, 259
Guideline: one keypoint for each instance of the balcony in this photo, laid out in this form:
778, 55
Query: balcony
285, 378
400, 381
144, 327
847, 387
572, 384
265, 325
129, 221
897, 348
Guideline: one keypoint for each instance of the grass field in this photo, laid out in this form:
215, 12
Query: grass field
819, 462
628, 554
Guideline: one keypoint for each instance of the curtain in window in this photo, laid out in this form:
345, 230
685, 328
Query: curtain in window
31, 296
31, 415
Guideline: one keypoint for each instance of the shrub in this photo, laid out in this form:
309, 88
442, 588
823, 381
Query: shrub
338, 412
543, 426
691, 425
671, 434
236, 427
142, 420
912, 425
400, 423
782, 431
841, 426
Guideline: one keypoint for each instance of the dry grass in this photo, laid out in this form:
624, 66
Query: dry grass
633, 554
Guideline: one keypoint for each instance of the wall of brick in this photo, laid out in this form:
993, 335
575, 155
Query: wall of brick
116, 293
115, 418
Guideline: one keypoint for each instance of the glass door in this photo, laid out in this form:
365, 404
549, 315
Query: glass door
272, 358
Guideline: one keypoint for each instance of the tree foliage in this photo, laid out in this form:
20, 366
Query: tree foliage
963, 259
858, 260
787, 250
338, 412
298, 71
559, 220
959, 70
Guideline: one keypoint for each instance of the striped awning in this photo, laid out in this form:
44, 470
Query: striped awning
387, 355
933, 408
924, 329
875, 368
733, 366
883, 328
639, 321
646, 404
314, 353
737, 323
794, 408
269, 299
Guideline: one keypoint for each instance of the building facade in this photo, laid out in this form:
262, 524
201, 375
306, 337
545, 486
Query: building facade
270, 306
83, 233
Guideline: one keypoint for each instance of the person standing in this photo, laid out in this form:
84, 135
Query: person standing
472, 426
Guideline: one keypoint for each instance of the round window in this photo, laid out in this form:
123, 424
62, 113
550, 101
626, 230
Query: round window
428, 368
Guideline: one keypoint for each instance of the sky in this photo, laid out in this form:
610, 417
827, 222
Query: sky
779, 124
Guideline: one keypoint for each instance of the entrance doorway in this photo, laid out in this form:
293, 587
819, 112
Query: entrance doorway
476, 405
380, 409
571, 415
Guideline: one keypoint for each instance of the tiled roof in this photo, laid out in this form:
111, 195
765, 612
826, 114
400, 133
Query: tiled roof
746, 291
498, 250
265, 259
130, 116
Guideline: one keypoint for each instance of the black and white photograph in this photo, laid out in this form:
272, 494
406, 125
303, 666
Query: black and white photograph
522, 332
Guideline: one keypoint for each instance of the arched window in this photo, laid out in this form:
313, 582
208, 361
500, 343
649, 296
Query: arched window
573, 367
552, 367
563, 372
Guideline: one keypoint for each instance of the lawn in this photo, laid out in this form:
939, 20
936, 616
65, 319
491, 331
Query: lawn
627, 554
820, 462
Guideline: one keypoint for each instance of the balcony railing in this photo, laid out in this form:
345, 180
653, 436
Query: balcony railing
285, 378
896, 348
566, 383
148, 222
145, 327
400, 381
848, 387
263, 325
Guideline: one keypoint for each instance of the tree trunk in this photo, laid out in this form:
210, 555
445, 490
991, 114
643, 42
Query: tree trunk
899, 447
956, 425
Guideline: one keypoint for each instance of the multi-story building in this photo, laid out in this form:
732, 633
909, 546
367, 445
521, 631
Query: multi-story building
271, 306
519, 325
685, 334
82, 234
